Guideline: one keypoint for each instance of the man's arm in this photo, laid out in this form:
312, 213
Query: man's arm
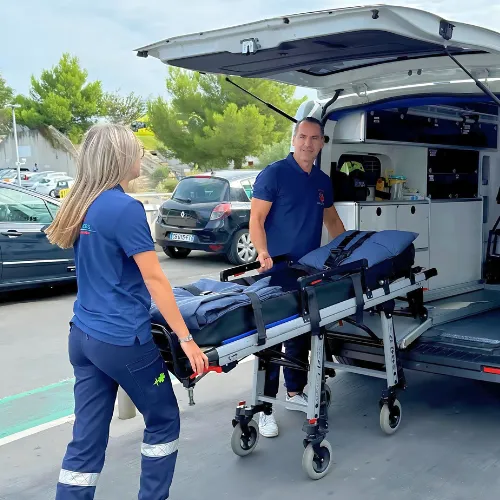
258, 212
333, 222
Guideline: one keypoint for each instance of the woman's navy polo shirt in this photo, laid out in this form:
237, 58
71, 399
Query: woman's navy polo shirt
113, 303
295, 222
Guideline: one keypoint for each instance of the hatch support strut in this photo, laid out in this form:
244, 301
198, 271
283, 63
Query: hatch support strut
446, 31
483, 87
270, 106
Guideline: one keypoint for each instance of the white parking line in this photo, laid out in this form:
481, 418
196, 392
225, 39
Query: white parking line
66, 420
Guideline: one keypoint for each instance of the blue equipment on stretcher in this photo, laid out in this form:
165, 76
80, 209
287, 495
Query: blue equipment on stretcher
302, 299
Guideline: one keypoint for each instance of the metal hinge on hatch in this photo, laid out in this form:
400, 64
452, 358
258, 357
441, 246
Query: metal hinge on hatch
481, 74
361, 89
250, 46
446, 29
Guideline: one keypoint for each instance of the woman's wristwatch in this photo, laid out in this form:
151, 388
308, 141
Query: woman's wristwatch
186, 339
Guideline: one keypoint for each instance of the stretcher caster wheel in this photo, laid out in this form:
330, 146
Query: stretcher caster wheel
317, 465
391, 418
242, 443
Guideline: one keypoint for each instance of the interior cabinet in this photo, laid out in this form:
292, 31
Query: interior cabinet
413, 217
377, 217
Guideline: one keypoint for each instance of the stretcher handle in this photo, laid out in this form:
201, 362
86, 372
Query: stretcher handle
216, 369
238, 270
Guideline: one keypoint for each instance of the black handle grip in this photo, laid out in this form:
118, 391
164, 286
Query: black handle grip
235, 271
430, 273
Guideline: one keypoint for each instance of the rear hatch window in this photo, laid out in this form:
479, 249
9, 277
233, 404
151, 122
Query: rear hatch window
201, 190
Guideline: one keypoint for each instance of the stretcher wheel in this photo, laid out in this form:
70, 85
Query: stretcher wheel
315, 465
241, 444
390, 419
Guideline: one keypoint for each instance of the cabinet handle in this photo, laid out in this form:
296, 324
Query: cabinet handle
379, 211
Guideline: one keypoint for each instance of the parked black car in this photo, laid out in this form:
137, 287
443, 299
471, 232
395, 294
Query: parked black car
209, 212
27, 258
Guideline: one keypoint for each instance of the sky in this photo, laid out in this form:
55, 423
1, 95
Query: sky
103, 34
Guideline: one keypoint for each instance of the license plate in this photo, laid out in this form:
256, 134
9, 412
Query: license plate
181, 237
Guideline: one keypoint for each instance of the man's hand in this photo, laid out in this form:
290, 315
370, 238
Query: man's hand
266, 262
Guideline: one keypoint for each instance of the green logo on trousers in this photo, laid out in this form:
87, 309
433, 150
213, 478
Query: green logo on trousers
160, 379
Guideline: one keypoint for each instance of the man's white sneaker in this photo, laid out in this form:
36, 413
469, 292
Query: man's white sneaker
267, 425
298, 399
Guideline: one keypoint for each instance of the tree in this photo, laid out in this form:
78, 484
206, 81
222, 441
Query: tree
6, 95
274, 152
122, 109
209, 122
63, 98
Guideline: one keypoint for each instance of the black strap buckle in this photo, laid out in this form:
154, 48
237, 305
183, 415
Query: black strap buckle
259, 319
313, 311
339, 254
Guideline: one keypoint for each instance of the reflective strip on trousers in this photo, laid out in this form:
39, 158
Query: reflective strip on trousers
78, 478
159, 450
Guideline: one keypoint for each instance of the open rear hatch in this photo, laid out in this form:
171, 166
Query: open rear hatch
356, 50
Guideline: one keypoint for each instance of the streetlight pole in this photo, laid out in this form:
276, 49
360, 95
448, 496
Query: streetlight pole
18, 163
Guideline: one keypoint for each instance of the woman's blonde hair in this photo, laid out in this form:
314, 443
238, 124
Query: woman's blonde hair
106, 155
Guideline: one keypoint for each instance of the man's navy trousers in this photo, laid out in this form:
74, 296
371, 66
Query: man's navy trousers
99, 369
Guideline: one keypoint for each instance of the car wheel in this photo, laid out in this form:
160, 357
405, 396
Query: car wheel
52, 193
177, 252
242, 250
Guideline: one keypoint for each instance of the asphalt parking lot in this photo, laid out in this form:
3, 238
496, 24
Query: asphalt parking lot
446, 448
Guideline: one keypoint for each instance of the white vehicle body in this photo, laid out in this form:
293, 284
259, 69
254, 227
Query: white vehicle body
381, 72
48, 184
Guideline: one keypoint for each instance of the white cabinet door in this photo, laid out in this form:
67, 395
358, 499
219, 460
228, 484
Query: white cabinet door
422, 259
377, 217
414, 218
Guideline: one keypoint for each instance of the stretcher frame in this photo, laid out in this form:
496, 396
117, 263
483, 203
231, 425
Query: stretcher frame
316, 459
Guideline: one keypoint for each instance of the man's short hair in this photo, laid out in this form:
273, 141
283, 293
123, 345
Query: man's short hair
309, 119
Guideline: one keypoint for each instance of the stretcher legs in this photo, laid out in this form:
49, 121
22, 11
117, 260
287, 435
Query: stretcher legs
316, 459
390, 407
391, 370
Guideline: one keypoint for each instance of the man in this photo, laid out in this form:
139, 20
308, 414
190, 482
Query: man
292, 199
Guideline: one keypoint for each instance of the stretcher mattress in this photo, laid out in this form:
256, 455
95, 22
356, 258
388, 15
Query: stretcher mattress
241, 322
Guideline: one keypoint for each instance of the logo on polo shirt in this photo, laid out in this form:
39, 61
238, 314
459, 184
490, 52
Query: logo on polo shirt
86, 229
321, 197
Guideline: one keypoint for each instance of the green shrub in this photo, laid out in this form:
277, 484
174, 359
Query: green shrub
160, 174
167, 185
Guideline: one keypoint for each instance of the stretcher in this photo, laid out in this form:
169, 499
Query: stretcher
312, 305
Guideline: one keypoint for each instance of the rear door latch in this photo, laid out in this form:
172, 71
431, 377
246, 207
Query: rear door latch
250, 46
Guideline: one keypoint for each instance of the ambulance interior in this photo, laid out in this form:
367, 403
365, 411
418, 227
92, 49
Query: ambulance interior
442, 153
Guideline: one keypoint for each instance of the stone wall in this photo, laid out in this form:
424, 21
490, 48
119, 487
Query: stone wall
35, 148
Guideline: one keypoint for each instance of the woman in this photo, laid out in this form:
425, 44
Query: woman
110, 341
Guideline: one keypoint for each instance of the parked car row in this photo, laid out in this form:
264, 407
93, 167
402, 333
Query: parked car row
208, 212
48, 182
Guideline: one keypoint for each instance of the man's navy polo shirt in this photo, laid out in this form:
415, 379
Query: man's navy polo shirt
295, 222
113, 303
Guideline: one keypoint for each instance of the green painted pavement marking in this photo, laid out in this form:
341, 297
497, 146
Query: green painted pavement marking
39, 406
36, 407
